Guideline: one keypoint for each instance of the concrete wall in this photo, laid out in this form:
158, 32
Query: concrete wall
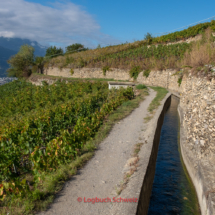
146, 190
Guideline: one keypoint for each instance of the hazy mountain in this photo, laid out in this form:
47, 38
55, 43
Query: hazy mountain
10, 46
5, 54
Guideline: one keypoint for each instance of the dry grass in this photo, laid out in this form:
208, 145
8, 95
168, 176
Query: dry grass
202, 53
88, 57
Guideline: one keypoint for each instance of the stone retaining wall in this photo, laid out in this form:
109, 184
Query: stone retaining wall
165, 78
117, 74
197, 113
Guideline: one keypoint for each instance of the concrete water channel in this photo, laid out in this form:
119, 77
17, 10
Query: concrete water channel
173, 191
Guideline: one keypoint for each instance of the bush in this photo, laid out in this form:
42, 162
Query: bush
179, 81
71, 71
39, 64
148, 37
105, 69
81, 63
146, 73
141, 86
134, 72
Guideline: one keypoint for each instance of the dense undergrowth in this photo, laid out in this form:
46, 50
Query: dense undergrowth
40, 138
156, 56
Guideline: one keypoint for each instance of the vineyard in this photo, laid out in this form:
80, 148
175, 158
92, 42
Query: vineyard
45, 127
115, 56
141, 56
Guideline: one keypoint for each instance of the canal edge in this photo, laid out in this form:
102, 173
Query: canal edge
195, 172
141, 182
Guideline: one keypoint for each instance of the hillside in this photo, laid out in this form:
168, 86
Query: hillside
147, 54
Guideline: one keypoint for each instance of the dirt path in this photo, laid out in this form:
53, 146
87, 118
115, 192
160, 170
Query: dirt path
100, 177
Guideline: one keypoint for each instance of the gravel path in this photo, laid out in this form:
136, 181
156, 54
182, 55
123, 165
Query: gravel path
104, 172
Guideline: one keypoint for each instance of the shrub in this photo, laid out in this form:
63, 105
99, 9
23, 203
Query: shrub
81, 62
148, 37
69, 60
141, 86
179, 81
105, 69
71, 71
134, 72
146, 73
39, 63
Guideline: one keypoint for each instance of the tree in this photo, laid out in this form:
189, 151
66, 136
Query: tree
20, 64
75, 47
39, 64
53, 50
148, 37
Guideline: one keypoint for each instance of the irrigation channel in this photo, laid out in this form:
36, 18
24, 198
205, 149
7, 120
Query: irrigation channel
172, 191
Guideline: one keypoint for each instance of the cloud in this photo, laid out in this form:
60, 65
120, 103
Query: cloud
60, 23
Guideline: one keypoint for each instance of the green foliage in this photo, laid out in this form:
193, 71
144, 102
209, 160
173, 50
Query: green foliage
134, 72
146, 73
20, 64
21, 97
69, 60
71, 71
81, 63
161, 93
39, 63
105, 69
148, 37
141, 86
77, 47
53, 51
179, 81
54, 127
185, 34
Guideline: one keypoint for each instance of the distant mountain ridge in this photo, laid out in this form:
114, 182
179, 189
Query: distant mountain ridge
10, 46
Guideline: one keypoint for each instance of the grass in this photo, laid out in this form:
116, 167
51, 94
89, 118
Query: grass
141, 86
52, 183
137, 148
161, 93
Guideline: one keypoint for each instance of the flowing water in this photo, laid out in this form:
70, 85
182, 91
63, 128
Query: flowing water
173, 191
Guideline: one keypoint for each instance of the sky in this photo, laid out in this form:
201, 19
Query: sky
93, 22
